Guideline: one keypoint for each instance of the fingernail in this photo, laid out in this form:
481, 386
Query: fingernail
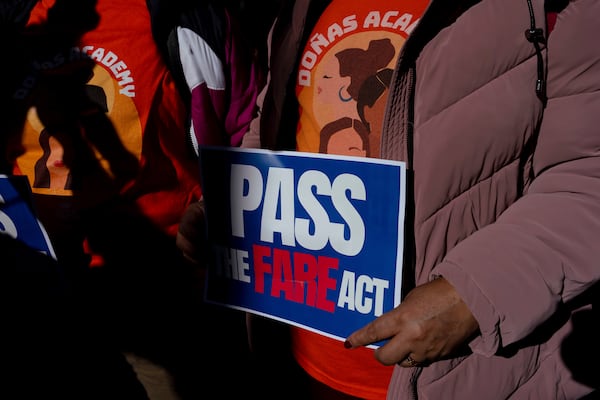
347, 344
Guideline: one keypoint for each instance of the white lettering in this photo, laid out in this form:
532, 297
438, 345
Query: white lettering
117, 67
350, 24
356, 238
246, 186
403, 22
354, 293
278, 214
233, 263
319, 218
385, 22
319, 42
279, 196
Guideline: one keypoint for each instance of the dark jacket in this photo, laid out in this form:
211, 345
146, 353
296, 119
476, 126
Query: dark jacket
217, 75
504, 183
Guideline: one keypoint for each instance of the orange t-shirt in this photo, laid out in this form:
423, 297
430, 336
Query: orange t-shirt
136, 144
145, 115
342, 88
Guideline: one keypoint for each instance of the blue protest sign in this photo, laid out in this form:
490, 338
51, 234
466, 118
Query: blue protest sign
17, 218
313, 240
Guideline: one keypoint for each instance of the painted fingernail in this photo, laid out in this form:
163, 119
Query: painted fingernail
347, 344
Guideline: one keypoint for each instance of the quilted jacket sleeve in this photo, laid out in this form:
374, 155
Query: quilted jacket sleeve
546, 242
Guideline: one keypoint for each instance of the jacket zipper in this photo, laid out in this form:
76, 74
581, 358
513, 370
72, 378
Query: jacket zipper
409, 241
413, 382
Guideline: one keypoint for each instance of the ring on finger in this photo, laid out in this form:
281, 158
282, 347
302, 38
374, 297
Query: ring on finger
410, 362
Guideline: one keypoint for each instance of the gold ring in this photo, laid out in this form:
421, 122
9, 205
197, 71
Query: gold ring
411, 362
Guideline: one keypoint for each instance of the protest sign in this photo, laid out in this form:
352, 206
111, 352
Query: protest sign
313, 240
17, 217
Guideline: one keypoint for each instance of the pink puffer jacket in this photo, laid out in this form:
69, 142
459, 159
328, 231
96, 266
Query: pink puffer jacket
506, 192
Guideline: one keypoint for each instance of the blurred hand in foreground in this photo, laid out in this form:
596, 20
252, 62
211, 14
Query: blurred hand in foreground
191, 236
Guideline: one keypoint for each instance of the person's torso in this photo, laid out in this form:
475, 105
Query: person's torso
107, 122
470, 147
342, 84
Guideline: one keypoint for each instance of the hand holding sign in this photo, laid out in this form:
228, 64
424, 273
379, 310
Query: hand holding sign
300, 238
431, 323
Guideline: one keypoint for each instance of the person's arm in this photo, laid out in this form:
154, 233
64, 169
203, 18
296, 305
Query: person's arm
209, 93
252, 138
542, 253
511, 277
223, 82
246, 83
